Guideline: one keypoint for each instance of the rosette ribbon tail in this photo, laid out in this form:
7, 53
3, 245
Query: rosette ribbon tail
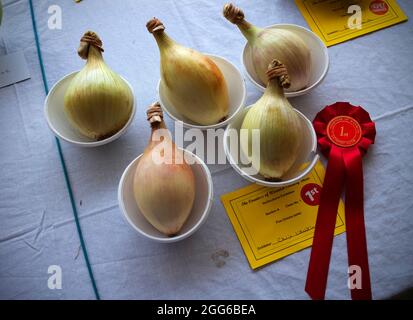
324, 229
356, 231
344, 134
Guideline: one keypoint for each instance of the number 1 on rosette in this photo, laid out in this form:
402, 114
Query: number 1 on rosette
344, 134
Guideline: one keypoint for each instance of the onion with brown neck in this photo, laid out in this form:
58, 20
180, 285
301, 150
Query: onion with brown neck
164, 184
281, 131
98, 102
274, 43
194, 84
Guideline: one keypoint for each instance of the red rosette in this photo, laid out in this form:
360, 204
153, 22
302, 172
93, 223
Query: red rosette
324, 117
344, 134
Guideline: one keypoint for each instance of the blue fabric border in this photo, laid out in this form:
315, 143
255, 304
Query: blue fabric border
62, 160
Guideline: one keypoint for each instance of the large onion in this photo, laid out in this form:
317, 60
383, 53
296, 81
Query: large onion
279, 124
98, 102
164, 184
274, 43
194, 84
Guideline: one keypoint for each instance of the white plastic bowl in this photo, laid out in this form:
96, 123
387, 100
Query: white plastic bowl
236, 90
308, 154
59, 124
319, 60
200, 210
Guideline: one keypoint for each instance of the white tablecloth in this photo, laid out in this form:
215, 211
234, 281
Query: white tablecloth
37, 227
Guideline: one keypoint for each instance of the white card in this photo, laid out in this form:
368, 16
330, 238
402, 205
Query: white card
13, 69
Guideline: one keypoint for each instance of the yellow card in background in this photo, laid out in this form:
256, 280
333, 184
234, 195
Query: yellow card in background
334, 21
272, 223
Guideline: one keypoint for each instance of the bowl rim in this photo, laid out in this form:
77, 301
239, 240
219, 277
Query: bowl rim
218, 125
302, 91
282, 183
194, 228
90, 144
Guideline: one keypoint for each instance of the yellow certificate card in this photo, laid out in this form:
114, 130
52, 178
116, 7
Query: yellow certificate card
272, 223
338, 21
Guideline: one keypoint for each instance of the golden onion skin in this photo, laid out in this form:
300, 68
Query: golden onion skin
280, 133
98, 102
285, 46
274, 43
194, 84
164, 192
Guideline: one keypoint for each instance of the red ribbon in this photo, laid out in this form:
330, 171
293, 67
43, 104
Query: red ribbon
344, 170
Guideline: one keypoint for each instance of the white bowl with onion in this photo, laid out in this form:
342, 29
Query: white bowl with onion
200, 210
319, 60
306, 160
60, 125
236, 90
